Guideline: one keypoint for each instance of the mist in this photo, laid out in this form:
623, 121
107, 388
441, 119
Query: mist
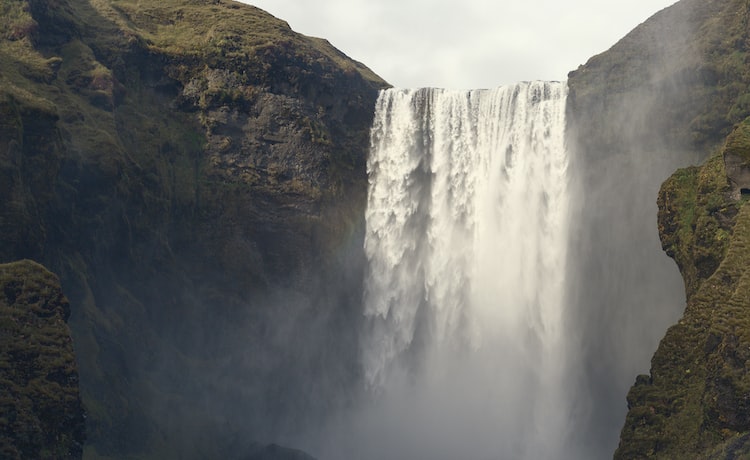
624, 292
508, 288
462, 300
551, 384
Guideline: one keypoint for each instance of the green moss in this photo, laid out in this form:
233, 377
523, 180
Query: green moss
738, 142
39, 398
178, 136
698, 50
693, 405
694, 214
219, 31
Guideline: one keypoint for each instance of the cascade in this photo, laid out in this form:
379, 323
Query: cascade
467, 229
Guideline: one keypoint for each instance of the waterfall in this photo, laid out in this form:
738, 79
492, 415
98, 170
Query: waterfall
467, 229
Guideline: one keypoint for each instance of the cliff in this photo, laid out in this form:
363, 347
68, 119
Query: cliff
194, 171
666, 96
671, 93
41, 415
693, 404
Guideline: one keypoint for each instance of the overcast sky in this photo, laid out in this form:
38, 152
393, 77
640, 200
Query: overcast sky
467, 43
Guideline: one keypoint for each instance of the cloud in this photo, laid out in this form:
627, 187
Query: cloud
467, 44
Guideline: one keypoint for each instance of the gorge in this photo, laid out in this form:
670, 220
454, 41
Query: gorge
261, 243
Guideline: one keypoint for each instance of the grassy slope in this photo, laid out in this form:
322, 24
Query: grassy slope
696, 49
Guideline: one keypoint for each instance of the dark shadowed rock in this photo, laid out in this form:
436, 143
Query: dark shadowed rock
694, 402
195, 173
737, 160
41, 415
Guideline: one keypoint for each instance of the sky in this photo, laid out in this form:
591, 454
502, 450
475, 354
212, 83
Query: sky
469, 43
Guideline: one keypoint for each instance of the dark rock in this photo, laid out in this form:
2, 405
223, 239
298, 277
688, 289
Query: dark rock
737, 160
41, 415
195, 173
697, 403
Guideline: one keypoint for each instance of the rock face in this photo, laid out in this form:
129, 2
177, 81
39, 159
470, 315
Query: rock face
737, 161
195, 173
665, 97
41, 415
693, 404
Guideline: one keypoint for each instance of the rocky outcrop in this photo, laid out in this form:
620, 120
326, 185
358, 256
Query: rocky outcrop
195, 173
693, 403
41, 415
737, 161
665, 97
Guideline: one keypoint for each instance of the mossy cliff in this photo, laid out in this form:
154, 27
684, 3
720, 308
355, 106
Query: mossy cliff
194, 171
41, 415
694, 403
679, 80
664, 97
674, 92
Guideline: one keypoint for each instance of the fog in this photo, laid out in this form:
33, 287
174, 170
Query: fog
462, 301
507, 396
499, 304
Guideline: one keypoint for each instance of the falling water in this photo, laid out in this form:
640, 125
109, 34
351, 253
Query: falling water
466, 244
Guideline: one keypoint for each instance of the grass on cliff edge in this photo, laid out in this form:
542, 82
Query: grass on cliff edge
22, 66
226, 29
698, 49
188, 30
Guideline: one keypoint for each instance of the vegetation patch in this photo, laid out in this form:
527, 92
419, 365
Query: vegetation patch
694, 402
41, 415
